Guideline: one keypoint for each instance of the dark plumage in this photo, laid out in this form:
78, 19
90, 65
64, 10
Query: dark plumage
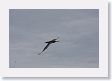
48, 43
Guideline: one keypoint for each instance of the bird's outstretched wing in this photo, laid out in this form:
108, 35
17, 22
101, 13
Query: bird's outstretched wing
45, 48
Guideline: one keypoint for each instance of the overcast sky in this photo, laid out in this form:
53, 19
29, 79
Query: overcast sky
77, 29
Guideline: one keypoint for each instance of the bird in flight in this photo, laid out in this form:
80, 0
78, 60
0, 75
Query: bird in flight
49, 43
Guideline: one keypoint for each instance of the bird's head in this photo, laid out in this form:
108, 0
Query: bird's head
56, 39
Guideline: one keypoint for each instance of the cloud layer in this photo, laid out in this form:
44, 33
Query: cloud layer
78, 30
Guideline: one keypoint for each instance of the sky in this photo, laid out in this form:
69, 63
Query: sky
77, 29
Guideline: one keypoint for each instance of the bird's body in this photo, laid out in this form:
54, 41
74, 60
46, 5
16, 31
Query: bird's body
48, 43
52, 41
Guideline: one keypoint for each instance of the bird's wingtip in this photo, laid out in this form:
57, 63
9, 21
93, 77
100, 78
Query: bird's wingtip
39, 53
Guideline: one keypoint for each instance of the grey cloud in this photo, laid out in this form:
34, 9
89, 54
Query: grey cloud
78, 30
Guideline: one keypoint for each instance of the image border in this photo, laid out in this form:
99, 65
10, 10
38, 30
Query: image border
102, 71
